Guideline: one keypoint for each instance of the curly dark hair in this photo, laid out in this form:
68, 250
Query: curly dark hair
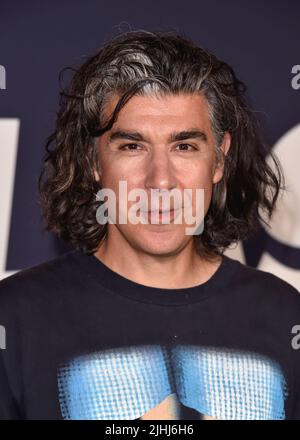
141, 62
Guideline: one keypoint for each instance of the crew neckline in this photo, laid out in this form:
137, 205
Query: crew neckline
118, 284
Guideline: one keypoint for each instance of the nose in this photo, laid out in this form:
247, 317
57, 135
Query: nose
160, 173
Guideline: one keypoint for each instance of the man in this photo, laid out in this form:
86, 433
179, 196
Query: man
144, 320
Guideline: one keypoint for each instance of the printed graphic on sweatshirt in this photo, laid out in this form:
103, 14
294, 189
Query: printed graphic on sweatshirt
153, 382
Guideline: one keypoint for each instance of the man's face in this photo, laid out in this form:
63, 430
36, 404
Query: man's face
147, 158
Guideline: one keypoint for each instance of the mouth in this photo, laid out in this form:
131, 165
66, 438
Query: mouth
160, 215
160, 211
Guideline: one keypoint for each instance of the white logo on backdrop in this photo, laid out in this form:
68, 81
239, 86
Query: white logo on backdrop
9, 134
285, 225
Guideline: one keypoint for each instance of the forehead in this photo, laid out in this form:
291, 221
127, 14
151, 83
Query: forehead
176, 111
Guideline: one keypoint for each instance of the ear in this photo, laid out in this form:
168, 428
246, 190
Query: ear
96, 165
97, 176
97, 171
219, 167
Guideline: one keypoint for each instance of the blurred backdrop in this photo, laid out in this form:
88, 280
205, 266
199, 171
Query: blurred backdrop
39, 38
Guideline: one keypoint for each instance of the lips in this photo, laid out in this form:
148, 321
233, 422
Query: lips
161, 212
160, 216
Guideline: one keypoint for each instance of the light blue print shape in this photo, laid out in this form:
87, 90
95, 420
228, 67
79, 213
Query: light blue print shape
116, 384
124, 384
229, 385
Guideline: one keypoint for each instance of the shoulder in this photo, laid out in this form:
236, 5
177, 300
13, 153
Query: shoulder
264, 287
39, 277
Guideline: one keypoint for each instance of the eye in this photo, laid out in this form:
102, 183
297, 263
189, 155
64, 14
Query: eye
129, 147
186, 145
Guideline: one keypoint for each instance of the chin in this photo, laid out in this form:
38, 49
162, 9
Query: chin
158, 243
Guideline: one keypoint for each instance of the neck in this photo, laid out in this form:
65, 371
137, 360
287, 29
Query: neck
181, 270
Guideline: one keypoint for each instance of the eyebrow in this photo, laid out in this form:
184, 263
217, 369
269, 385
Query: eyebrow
175, 136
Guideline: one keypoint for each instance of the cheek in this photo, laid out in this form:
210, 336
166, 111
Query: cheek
207, 199
199, 177
132, 171
112, 175
202, 179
